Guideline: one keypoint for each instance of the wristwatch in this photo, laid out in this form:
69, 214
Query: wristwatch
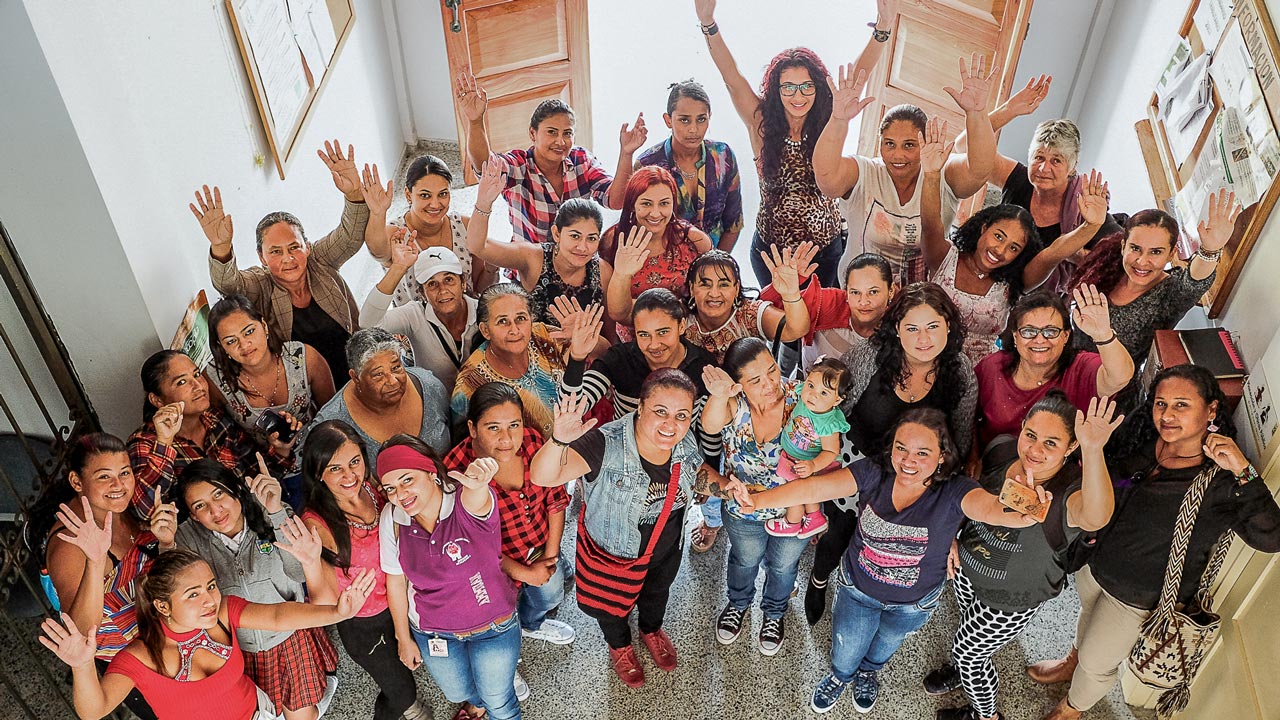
877, 34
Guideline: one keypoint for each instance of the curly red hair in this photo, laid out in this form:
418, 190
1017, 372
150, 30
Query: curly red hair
641, 180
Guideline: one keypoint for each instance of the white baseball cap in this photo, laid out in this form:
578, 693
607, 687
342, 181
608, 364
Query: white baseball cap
435, 260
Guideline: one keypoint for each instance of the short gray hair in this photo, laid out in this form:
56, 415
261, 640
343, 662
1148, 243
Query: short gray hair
274, 218
364, 344
1061, 135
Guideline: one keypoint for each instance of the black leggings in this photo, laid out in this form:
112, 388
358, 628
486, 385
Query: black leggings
840, 527
651, 605
371, 642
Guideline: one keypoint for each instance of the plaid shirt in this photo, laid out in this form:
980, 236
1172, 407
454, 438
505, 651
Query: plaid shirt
224, 441
533, 200
524, 512
712, 203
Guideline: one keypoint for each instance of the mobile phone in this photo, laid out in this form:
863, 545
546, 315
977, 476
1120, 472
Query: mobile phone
1019, 497
271, 421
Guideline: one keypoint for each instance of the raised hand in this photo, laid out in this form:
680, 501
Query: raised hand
1224, 451
266, 488
934, 148
564, 310
68, 643
1026, 100
405, 250
167, 422
706, 10
846, 94
718, 382
493, 178
975, 85
1090, 313
632, 138
93, 541
632, 252
282, 449
1221, 223
215, 223
786, 276
354, 595
585, 333
1093, 199
802, 259
163, 520
299, 541
568, 425
1094, 428
343, 168
472, 99
478, 473
377, 197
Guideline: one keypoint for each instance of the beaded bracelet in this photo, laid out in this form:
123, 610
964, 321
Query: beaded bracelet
1249, 473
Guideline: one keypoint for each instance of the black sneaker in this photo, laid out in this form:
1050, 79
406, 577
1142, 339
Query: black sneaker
771, 636
943, 680
866, 688
815, 600
729, 624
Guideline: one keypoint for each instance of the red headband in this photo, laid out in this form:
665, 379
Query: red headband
403, 457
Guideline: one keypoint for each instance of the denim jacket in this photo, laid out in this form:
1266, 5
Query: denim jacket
615, 500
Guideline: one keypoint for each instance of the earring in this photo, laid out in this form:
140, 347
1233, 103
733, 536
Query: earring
1213, 426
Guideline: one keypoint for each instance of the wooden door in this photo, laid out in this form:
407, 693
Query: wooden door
923, 57
522, 52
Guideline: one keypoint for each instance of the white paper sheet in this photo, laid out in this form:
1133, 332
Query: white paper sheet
313, 31
279, 63
1211, 18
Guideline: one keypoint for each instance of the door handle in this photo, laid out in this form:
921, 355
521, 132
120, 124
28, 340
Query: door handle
453, 5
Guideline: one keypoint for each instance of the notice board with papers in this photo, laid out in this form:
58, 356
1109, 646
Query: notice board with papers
289, 48
1211, 123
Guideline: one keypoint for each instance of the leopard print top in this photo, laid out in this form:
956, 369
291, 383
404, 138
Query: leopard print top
792, 207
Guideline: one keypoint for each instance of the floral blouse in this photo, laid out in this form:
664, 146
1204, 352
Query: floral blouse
756, 463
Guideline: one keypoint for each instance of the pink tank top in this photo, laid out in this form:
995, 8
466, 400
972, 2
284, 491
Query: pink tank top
364, 554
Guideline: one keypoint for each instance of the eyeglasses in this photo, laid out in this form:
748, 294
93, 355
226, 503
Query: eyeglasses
1028, 332
806, 89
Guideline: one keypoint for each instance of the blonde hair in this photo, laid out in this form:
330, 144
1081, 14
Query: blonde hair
1061, 135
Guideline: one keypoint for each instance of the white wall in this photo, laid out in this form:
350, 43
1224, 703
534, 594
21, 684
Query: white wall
154, 100
1140, 35
53, 211
426, 68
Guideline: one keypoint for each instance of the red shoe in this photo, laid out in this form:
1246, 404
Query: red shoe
660, 649
627, 665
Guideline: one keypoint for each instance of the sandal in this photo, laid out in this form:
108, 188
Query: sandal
703, 537
465, 711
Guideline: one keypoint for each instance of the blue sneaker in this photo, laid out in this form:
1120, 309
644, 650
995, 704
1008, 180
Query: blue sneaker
866, 688
826, 694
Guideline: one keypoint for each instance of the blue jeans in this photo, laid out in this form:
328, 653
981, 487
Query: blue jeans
536, 601
479, 668
828, 261
711, 512
749, 546
865, 632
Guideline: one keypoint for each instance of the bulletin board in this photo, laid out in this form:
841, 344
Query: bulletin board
1211, 123
289, 49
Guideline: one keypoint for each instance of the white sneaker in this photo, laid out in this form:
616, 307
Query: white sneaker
553, 631
521, 687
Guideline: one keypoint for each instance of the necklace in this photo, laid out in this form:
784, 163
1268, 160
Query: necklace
973, 267
928, 385
687, 175
354, 520
274, 386
494, 361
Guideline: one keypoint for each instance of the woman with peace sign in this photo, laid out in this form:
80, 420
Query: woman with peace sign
258, 551
181, 610
1003, 576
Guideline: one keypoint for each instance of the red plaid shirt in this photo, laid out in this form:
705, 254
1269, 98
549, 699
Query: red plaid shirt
224, 441
534, 201
524, 512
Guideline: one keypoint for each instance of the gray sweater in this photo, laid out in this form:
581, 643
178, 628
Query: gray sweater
259, 573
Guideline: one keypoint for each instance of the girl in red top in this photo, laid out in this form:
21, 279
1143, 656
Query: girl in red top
186, 660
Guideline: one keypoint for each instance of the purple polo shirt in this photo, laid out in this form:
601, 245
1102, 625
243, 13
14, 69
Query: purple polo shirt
454, 573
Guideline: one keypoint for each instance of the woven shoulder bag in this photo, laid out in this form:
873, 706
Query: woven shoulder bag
1174, 641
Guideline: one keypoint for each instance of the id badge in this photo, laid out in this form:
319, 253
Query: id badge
437, 647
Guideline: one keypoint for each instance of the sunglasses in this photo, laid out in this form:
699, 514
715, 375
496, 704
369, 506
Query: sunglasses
1028, 332
806, 89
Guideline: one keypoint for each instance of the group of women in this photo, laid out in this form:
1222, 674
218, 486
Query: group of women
403, 468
